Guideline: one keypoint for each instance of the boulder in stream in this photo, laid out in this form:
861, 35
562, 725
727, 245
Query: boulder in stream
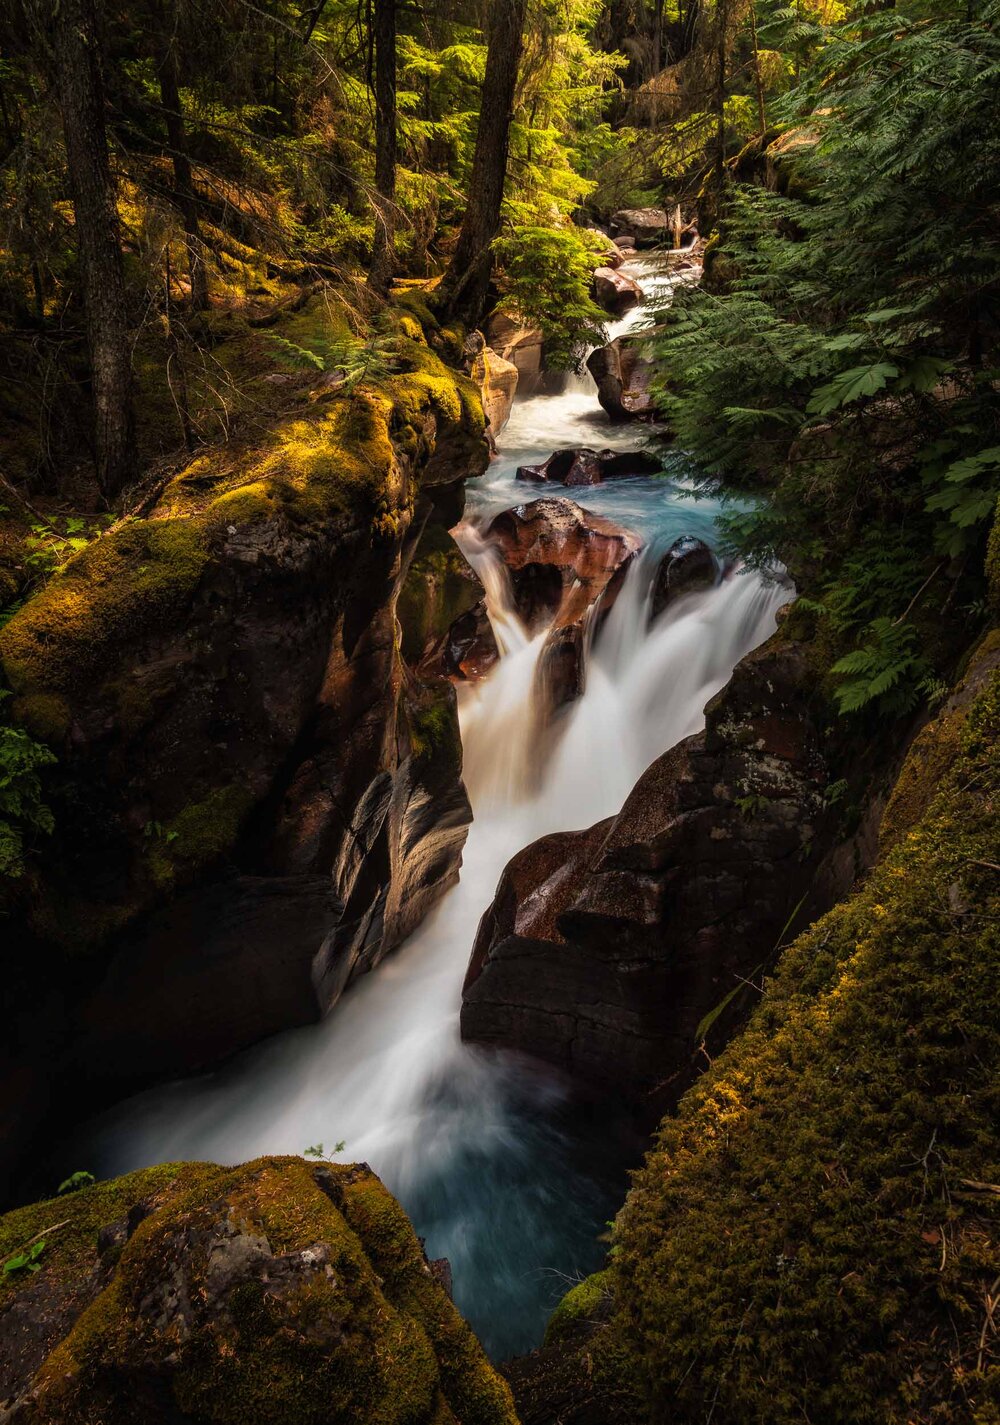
623, 375
615, 292
645, 226
582, 465
687, 567
562, 559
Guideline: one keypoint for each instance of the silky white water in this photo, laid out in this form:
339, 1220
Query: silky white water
498, 1169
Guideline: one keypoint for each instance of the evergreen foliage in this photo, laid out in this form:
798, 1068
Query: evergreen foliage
849, 359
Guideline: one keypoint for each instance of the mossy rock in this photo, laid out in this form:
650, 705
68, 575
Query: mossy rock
278, 1293
439, 587
126, 659
816, 1235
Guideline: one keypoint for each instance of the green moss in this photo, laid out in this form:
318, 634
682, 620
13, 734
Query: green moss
807, 1241
45, 715
993, 561
581, 1305
132, 581
199, 834
354, 1332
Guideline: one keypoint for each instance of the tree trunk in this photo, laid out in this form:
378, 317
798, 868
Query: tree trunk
721, 19
758, 78
383, 257
465, 284
186, 200
80, 89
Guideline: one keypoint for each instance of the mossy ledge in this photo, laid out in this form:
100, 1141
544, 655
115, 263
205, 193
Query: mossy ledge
128, 660
815, 1236
278, 1293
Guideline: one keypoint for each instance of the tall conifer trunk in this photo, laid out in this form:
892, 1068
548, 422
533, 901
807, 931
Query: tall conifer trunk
465, 284
183, 180
80, 89
381, 270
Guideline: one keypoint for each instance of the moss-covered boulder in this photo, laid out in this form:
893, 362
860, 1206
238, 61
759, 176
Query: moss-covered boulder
278, 1293
816, 1235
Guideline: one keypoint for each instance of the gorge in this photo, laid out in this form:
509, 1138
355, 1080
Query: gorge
499, 713
479, 1151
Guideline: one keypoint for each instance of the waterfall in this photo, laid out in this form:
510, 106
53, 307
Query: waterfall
482, 1150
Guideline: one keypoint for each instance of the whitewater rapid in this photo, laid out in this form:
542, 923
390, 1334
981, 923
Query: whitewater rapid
490, 1158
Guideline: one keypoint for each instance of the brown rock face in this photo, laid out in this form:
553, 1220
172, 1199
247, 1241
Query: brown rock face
256, 801
497, 380
604, 950
582, 465
623, 378
615, 292
688, 566
469, 649
562, 558
566, 567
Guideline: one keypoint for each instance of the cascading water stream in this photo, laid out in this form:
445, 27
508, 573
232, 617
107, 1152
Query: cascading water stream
498, 1168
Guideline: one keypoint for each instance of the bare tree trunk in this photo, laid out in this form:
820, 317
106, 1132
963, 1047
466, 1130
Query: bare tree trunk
721, 19
758, 81
383, 255
80, 89
465, 284
186, 199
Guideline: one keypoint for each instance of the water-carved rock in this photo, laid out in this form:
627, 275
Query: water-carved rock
562, 559
688, 566
496, 378
605, 950
623, 375
581, 465
615, 292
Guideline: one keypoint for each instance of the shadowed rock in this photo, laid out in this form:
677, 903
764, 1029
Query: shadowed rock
582, 465
688, 566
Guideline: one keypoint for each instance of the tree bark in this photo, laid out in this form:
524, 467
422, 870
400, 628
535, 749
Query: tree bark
80, 90
465, 284
383, 257
722, 20
186, 199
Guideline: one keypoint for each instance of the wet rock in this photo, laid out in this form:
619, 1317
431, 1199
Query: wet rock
604, 950
644, 226
623, 375
520, 345
560, 672
562, 559
497, 380
625, 240
688, 566
615, 292
299, 1291
438, 588
581, 465
468, 650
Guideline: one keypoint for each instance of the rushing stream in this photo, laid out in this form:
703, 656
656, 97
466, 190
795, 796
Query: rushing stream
500, 1170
